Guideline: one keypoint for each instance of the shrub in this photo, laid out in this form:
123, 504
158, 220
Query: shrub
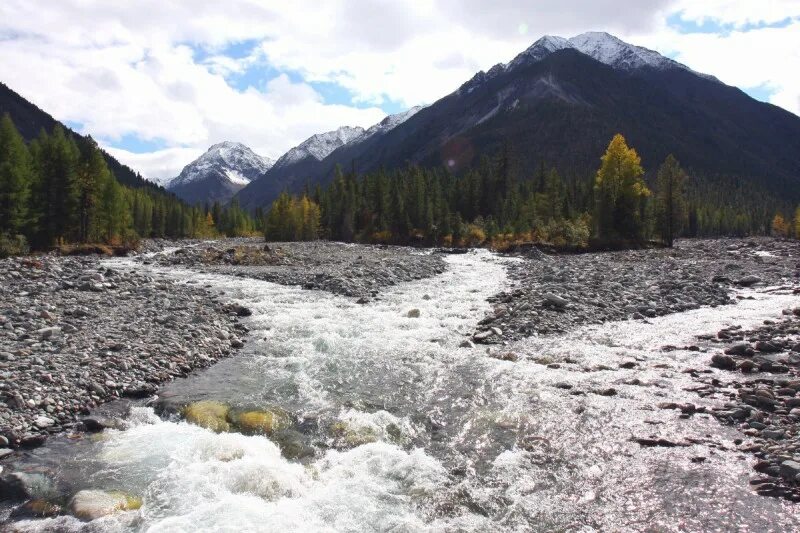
12, 245
474, 236
381, 237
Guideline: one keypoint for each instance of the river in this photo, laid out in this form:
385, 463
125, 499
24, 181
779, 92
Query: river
396, 427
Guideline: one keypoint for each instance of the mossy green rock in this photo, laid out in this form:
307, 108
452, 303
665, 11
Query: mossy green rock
208, 414
259, 421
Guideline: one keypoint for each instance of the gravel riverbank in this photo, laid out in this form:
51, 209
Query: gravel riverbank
75, 333
553, 294
350, 270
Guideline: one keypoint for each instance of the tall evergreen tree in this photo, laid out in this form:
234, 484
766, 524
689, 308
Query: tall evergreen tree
15, 179
55, 193
670, 200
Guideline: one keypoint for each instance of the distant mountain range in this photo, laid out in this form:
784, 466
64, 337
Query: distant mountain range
313, 160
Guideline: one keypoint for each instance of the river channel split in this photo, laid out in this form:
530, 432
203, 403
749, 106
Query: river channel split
397, 427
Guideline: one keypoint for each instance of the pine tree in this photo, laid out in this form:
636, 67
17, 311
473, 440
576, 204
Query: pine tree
113, 214
55, 193
91, 176
670, 200
15, 179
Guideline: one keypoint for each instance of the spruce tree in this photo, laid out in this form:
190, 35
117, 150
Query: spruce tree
670, 209
15, 179
55, 194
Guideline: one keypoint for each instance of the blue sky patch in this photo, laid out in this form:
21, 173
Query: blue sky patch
678, 23
133, 143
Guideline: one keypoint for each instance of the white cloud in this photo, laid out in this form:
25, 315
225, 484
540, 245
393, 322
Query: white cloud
130, 68
766, 57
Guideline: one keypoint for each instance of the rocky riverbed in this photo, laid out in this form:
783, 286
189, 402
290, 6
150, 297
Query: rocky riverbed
553, 294
336, 405
351, 270
75, 332
757, 384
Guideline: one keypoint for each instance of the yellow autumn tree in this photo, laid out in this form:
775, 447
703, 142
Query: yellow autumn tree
293, 219
780, 228
209, 228
310, 215
619, 193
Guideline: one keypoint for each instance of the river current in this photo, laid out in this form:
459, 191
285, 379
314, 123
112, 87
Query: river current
399, 428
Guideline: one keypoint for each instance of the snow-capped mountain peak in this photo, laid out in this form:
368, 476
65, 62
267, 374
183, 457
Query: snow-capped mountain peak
601, 46
615, 52
234, 160
543, 47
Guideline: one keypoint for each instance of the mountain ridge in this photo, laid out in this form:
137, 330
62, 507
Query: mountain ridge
310, 156
559, 106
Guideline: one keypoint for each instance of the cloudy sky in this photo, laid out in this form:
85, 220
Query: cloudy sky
157, 82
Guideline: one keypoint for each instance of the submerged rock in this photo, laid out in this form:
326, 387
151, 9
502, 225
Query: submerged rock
93, 504
208, 414
350, 436
18, 486
38, 508
260, 422
220, 417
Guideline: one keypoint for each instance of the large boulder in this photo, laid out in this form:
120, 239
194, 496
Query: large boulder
740, 349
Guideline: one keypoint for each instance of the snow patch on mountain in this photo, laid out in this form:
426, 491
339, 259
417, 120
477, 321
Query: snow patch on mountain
540, 49
237, 177
617, 53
